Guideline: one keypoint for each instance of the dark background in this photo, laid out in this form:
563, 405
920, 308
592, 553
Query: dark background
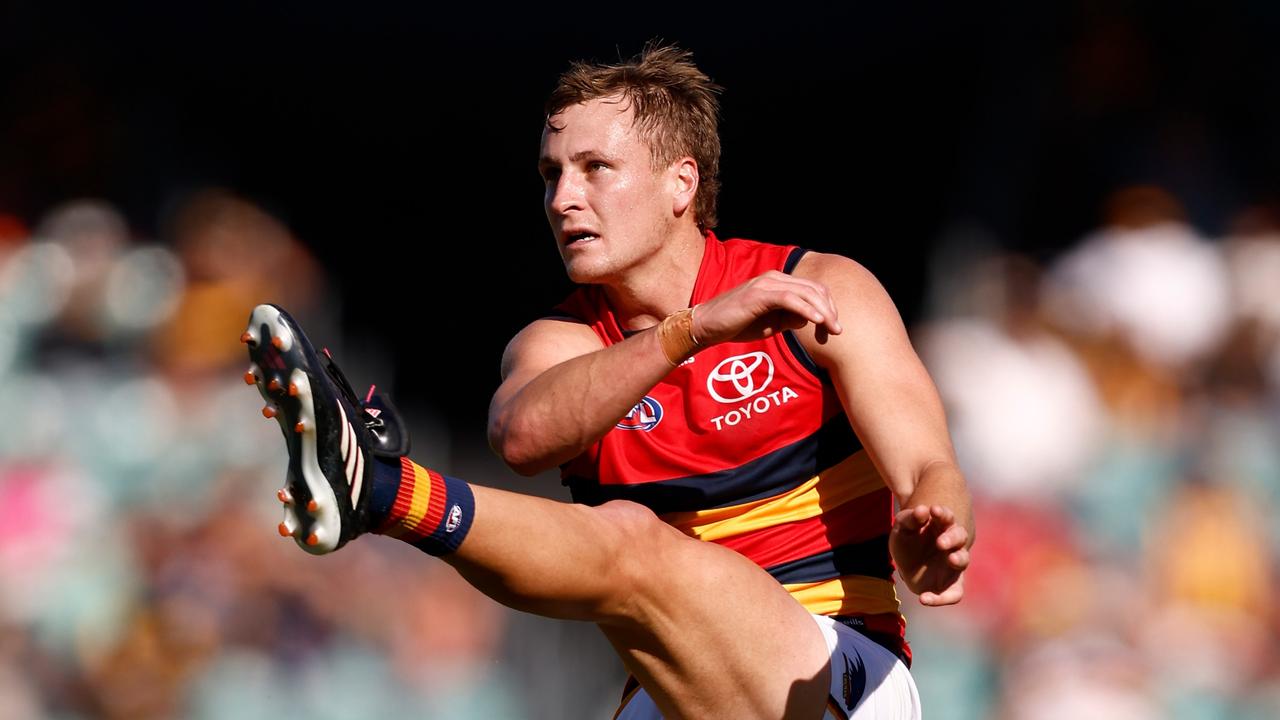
399, 141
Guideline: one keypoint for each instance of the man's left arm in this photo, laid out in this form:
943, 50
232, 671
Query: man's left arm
894, 407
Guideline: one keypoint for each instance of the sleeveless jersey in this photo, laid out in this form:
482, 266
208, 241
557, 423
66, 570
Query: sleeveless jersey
747, 445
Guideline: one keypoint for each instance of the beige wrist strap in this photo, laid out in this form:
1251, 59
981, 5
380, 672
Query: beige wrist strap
675, 335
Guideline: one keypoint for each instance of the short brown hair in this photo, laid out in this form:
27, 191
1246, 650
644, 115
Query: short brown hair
674, 105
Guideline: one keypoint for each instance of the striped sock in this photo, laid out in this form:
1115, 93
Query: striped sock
430, 511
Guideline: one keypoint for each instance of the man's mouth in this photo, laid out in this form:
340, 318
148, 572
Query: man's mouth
572, 238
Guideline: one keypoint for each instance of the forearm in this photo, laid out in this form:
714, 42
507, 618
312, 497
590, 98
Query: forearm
562, 411
941, 483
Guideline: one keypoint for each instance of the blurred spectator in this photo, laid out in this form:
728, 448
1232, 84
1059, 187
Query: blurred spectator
1148, 277
93, 234
1211, 591
1253, 257
1024, 414
236, 256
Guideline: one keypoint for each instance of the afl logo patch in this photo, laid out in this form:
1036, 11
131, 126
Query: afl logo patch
454, 520
644, 416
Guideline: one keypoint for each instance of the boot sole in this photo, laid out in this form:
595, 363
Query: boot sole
316, 427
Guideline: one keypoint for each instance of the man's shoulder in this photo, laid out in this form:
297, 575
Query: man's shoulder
557, 336
829, 268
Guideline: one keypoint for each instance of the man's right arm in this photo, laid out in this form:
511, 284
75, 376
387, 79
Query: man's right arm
562, 391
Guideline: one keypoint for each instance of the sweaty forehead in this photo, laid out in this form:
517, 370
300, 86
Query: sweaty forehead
602, 122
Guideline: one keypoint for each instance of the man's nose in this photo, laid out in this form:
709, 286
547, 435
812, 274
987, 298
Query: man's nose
566, 195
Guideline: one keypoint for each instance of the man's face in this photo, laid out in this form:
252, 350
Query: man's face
609, 209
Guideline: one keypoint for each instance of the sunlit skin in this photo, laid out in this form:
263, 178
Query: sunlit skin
600, 181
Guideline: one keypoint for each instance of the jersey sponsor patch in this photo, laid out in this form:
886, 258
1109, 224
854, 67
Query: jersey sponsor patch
644, 416
739, 377
752, 408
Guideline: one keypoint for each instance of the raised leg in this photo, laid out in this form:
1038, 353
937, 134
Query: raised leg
707, 632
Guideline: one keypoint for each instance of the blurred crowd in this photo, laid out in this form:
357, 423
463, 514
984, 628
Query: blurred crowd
1117, 413
1116, 410
140, 574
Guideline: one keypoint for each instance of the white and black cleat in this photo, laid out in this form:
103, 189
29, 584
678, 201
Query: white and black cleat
332, 436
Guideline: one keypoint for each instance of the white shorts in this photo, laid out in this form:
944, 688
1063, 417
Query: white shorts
867, 681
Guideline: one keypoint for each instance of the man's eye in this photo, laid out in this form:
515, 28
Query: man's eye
597, 165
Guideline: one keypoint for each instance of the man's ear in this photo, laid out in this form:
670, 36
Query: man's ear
685, 179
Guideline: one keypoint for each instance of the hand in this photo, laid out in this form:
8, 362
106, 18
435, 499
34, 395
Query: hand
763, 306
929, 549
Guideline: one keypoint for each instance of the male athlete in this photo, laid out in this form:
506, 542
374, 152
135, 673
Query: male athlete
735, 421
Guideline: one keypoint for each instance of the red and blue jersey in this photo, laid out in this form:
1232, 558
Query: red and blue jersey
747, 445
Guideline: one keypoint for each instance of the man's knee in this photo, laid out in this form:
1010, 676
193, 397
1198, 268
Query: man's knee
635, 528
641, 546
630, 518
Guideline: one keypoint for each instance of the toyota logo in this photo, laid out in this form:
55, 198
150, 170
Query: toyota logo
737, 378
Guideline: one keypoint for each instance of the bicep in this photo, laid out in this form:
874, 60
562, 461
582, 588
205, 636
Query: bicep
885, 389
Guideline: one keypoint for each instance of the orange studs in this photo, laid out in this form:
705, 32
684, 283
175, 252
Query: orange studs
268, 411
250, 378
312, 506
283, 495
277, 342
284, 530
247, 337
274, 385
313, 540
299, 427
293, 390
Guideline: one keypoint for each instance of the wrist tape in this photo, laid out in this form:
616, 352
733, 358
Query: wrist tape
675, 335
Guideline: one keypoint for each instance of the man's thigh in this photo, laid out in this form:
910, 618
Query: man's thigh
708, 633
867, 682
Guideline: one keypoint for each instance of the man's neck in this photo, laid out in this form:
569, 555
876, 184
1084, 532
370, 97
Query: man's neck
663, 284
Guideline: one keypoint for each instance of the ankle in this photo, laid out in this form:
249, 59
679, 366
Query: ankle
428, 510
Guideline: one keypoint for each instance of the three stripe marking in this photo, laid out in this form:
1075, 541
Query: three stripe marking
353, 462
